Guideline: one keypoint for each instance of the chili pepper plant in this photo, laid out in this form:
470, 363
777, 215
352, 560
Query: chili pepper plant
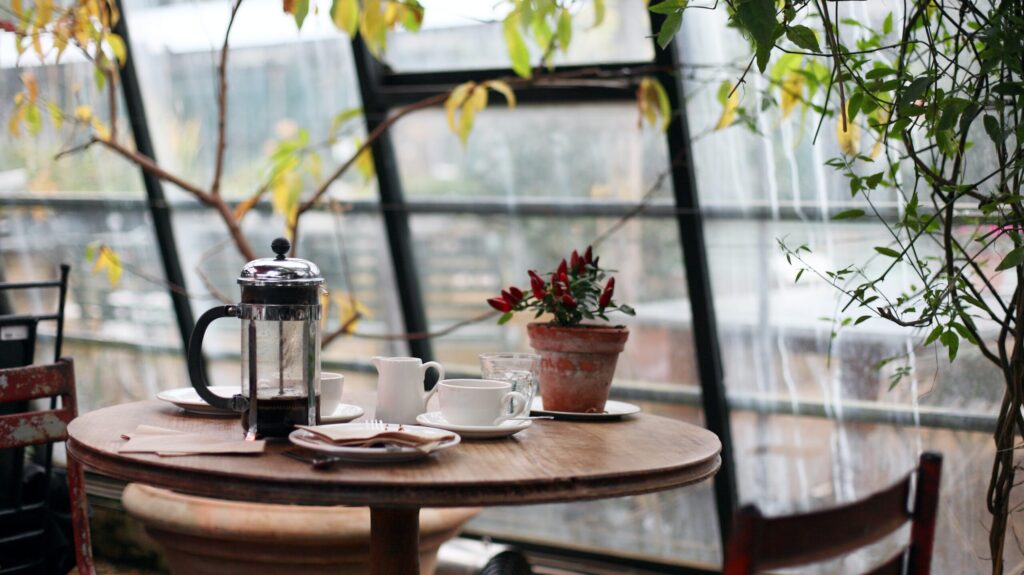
576, 291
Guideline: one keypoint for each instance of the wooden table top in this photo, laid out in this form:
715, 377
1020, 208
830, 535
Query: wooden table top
551, 461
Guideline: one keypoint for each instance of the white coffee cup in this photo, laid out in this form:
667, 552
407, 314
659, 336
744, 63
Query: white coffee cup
479, 402
331, 385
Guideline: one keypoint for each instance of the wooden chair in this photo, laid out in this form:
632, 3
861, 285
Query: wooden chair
37, 428
759, 543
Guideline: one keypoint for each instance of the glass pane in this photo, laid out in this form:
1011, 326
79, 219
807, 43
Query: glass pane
583, 152
467, 35
464, 259
53, 209
281, 82
785, 347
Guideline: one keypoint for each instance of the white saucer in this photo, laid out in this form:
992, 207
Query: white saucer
188, 399
392, 454
504, 429
612, 410
343, 413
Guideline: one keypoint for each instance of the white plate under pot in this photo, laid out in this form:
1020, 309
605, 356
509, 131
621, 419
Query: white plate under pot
612, 410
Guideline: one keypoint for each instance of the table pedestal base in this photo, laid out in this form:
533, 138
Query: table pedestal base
394, 541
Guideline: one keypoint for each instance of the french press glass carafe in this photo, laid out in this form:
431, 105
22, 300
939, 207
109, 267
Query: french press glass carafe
280, 312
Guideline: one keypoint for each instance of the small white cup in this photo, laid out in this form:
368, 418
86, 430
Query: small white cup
479, 402
331, 385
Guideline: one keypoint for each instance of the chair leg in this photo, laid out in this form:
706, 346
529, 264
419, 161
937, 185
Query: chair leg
80, 518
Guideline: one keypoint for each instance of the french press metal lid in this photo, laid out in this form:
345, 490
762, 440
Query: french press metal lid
280, 356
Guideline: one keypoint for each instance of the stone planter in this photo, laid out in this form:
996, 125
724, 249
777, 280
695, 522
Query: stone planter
577, 364
202, 536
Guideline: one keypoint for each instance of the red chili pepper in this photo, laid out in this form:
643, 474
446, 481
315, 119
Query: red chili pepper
606, 295
574, 262
537, 285
564, 278
568, 301
556, 288
562, 267
8, 26
500, 304
516, 293
588, 256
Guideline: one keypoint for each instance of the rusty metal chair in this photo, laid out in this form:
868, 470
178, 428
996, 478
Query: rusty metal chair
760, 543
24, 550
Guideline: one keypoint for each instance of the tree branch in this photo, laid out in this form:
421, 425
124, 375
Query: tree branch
222, 103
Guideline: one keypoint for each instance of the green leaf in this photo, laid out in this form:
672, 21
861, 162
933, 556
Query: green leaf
1012, 259
669, 7
627, 310
505, 318
301, 9
56, 114
798, 274
564, 30
345, 14
887, 25
992, 128
33, 119
848, 215
598, 12
803, 37
934, 335
518, 53
669, 28
757, 18
862, 319
952, 342
887, 252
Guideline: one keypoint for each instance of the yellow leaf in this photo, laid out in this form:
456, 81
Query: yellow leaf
455, 101
33, 119
101, 129
345, 14
364, 163
652, 101
36, 44
504, 89
518, 52
31, 86
598, 12
83, 113
285, 191
117, 46
876, 149
243, 207
350, 311
44, 10
56, 114
14, 121
792, 91
16, 8
107, 259
476, 102
373, 27
732, 103
849, 139
664, 106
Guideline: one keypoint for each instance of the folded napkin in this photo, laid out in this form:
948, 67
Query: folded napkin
368, 436
162, 441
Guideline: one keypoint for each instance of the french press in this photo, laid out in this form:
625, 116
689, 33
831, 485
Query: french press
280, 312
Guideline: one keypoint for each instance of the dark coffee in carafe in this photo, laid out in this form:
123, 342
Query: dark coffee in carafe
277, 416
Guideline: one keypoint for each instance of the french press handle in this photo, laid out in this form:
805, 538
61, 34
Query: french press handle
195, 361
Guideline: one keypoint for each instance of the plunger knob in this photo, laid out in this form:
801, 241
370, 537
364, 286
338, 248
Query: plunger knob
281, 246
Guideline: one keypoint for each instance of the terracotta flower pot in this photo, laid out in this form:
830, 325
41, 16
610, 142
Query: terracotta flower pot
577, 364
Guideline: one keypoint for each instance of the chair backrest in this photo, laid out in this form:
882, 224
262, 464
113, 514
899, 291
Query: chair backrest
759, 543
37, 382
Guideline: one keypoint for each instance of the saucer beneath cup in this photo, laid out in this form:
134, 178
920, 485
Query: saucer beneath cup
343, 413
503, 429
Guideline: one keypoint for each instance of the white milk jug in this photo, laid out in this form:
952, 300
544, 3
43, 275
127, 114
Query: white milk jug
400, 394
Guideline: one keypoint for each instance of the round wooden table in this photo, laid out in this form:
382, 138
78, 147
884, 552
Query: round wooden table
552, 461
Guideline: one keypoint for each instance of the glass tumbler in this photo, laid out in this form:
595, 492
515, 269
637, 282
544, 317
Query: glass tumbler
519, 369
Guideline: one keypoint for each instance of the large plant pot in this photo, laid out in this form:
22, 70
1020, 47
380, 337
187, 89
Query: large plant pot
202, 536
577, 364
